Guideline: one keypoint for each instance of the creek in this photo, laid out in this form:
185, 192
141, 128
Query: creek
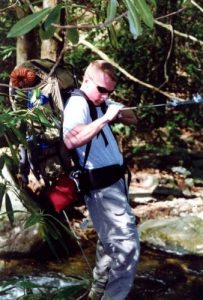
160, 276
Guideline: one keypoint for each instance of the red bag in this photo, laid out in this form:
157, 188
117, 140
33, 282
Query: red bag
63, 193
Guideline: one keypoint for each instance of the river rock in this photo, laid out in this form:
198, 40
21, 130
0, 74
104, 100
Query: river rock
15, 239
181, 235
18, 241
177, 207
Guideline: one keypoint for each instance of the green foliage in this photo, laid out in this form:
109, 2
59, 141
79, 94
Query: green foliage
12, 126
134, 22
54, 287
121, 129
10, 120
47, 30
111, 9
28, 23
7, 51
9, 209
2, 192
137, 11
145, 13
52, 230
73, 35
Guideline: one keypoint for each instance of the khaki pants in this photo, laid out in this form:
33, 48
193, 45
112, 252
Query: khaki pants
118, 246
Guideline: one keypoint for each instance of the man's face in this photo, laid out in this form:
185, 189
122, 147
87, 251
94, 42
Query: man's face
100, 86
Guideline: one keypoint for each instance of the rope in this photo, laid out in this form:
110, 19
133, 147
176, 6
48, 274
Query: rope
197, 99
76, 237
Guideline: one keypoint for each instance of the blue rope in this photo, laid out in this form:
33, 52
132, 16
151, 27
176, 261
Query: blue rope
196, 99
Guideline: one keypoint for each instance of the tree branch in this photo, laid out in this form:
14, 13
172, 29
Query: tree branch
196, 5
167, 58
89, 26
169, 27
109, 22
171, 14
8, 7
123, 71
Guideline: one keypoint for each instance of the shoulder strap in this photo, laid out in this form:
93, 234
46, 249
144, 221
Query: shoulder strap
78, 92
93, 111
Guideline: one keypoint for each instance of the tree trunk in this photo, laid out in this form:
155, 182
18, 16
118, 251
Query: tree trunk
26, 46
50, 48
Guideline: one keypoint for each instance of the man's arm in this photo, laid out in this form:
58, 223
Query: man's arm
82, 134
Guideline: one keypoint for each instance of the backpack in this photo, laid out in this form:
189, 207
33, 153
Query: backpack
38, 83
46, 161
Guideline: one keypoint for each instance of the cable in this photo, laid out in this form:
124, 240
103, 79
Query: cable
76, 237
196, 99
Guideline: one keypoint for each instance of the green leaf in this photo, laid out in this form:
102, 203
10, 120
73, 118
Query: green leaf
12, 149
151, 2
49, 241
41, 117
2, 161
55, 233
145, 13
111, 9
73, 35
47, 30
9, 209
2, 192
134, 24
113, 37
28, 23
53, 17
45, 35
2, 129
20, 137
133, 19
22, 94
33, 219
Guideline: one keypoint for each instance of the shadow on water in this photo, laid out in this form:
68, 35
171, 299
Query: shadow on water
160, 276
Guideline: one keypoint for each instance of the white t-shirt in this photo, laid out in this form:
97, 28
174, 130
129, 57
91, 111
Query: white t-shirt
77, 112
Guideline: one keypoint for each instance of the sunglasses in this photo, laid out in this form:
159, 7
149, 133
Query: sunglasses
101, 89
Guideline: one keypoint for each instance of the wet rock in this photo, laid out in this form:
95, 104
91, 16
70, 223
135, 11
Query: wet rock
181, 170
15, 239
18, 241
176, 235
142, 187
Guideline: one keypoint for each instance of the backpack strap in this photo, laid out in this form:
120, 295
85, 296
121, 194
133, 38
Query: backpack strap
93, 111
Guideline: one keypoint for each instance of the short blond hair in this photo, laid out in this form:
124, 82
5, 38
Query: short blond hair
104, 66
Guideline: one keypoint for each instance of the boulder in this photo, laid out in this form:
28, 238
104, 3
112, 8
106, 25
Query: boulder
15, 239
180, 235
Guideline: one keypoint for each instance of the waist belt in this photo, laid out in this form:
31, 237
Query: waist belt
101, 177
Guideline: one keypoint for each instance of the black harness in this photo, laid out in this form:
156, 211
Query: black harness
100, 177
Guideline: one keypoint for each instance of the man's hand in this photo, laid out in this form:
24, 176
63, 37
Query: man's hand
112, 112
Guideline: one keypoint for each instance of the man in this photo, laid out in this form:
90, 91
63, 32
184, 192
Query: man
106, 198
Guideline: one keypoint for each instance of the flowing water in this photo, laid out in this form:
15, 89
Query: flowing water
160, 276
